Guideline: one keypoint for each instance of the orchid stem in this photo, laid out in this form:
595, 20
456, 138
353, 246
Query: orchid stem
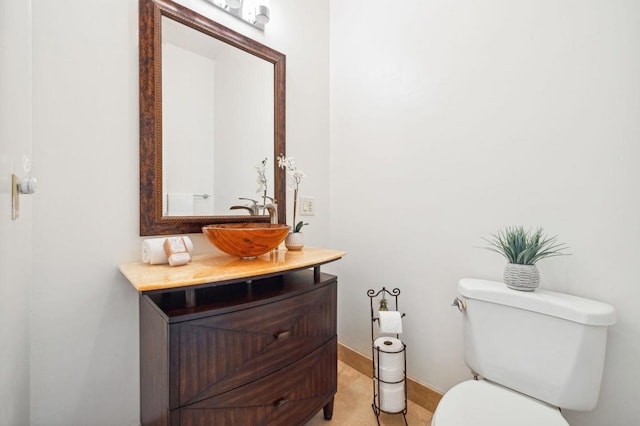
295, 205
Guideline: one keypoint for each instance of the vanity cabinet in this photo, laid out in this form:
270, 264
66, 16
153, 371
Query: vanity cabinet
254, 352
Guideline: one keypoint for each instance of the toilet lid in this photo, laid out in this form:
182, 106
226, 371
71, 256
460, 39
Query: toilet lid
480, 403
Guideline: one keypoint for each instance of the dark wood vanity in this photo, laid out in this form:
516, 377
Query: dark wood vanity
258, 350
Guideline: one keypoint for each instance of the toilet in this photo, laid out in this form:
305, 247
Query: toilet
533, 353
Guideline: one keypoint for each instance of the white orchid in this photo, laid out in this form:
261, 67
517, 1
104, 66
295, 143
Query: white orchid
261, 168
286, 163
298, 175
289, 164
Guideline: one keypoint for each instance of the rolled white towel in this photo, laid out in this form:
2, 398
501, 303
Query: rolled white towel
153, 250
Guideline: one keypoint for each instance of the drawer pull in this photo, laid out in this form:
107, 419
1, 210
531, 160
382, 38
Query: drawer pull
282, 334
280, 402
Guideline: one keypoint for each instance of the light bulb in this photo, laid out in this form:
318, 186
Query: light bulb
262, 14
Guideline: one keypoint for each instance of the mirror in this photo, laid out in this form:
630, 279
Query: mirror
212, 105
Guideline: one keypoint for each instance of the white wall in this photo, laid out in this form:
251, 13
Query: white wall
85, 128
15, 235
84, 314
459, 118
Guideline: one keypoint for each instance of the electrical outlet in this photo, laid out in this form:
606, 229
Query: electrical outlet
307, 206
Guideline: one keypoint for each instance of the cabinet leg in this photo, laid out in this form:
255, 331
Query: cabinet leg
190, 296
328, 410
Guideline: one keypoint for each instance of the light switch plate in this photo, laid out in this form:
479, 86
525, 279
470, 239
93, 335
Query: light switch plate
307, 206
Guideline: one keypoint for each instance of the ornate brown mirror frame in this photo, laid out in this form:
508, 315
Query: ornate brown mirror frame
152, 221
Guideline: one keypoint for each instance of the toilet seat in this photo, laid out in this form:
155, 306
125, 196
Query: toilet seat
481, 403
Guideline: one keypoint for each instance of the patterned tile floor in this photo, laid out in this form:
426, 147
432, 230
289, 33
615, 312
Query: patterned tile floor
352, 406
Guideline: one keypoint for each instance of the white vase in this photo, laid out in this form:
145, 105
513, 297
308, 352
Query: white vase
294, 241
521, 277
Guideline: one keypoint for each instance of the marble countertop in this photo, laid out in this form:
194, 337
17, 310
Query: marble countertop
218, 267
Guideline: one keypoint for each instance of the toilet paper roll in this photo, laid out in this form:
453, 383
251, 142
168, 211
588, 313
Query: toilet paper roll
389, 375
390, 322
153, 250
392, 399
389, 359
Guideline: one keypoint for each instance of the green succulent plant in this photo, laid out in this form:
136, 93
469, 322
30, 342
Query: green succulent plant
524, 247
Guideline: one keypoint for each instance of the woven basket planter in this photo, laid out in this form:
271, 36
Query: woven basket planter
521, 277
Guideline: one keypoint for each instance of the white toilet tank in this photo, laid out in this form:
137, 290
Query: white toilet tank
547, 345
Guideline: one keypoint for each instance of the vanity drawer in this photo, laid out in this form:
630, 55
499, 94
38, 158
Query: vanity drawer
219, 353
282, 398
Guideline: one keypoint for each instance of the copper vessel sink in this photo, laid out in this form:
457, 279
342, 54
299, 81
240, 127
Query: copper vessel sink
246, 240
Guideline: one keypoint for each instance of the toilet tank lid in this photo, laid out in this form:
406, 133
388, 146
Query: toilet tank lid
566, 306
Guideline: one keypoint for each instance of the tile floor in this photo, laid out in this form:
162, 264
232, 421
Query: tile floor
352, 405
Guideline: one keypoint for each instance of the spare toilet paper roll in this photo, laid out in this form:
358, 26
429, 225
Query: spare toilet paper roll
390, 322
389, 359
153, 250
390, 375
392, 398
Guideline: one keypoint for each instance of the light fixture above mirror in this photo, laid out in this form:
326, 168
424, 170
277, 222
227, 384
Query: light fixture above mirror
234, 4
253, 12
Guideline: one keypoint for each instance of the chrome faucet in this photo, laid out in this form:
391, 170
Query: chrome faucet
272, 208
254, 208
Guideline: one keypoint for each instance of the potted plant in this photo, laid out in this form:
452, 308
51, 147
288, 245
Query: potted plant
523, 249
295, 239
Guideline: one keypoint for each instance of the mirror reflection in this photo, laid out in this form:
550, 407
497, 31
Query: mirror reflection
217, 127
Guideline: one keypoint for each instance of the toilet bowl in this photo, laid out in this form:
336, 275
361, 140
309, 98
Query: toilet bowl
534, 351
482, 403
